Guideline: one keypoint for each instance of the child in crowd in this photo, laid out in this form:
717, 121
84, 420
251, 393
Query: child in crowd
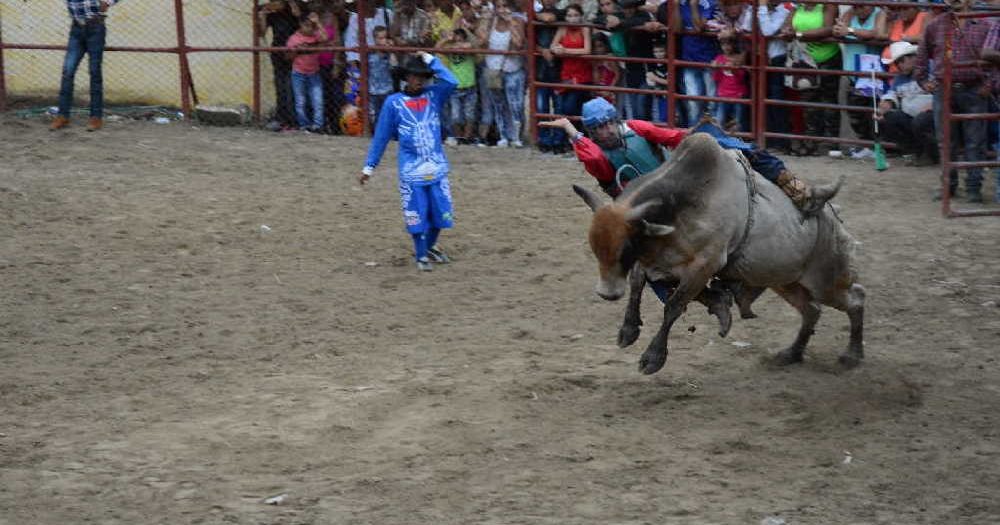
464, 99
606, 72
656, 78
568, 42
379, 74
730, 83
306, 81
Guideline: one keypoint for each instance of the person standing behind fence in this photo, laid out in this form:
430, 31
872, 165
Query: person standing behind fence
695, 15
970, 88
906, 24
641, 31
413, 119
504, 74
547, 69
86, 37
464, 99
730, 83
861, 22
307, 85
770, 19
282, 17
606, 72
570, 41
331, 66
812, 22
380, 66
658, 78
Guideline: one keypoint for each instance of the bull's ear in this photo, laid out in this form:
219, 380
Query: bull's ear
589, 197
651, 229
638, 212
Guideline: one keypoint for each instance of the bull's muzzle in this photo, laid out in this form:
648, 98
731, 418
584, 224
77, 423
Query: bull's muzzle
610, 290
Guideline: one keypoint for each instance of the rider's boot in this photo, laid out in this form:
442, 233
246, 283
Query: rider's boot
809, 199
719, 300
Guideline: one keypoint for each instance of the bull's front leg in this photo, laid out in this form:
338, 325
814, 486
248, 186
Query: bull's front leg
655, 356
629, 331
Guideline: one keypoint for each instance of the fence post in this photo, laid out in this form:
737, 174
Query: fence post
185, 73
532, 90
3, 75
671, 67
761, 87
362, 97
945, 122
255, 68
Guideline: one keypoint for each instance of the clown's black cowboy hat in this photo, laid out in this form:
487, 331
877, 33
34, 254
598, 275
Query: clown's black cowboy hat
414, 65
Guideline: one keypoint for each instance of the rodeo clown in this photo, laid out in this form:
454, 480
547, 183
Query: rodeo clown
413, 118
619, 152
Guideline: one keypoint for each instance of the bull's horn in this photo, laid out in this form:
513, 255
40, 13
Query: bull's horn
651, 229
639, 211
589, 197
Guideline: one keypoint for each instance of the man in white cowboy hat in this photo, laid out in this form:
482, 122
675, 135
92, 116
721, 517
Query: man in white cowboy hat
906, 111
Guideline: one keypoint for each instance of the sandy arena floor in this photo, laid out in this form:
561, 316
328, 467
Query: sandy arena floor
165, 361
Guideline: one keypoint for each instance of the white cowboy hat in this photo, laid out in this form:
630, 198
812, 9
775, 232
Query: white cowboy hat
899, 50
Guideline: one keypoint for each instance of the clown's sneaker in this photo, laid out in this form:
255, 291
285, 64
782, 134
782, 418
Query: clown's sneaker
424, 264
435, 254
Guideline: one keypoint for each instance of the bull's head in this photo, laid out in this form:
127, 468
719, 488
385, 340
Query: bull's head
616, 234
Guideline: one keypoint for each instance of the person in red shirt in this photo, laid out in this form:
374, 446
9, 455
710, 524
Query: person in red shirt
306, 81
618, 152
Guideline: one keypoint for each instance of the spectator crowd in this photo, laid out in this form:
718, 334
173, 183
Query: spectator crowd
582, 42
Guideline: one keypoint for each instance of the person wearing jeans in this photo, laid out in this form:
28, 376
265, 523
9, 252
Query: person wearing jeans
307, 85
86, 37
308, 88
692, 16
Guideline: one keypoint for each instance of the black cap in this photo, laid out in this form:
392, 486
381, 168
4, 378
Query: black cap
414, 65
626, 4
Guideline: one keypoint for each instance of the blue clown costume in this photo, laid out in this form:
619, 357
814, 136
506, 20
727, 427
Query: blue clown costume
415, 122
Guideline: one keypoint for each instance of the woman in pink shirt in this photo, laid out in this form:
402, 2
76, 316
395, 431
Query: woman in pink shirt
306, 81
730, 83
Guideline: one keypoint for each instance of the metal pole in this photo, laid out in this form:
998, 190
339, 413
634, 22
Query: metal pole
3, 83
532, 90
185, 73
362, 98
946, 117
761, 87
671, 69
255, 69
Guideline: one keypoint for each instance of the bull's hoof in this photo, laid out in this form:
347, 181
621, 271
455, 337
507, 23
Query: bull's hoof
747, 314
725, 323
652, 362
788, 356
627, 335
849, 360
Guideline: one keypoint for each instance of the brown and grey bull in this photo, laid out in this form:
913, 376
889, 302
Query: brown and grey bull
707, 213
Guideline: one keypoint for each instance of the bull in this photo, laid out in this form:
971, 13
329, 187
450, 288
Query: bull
707, 213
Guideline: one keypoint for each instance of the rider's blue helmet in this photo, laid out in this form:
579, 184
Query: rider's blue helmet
598, 111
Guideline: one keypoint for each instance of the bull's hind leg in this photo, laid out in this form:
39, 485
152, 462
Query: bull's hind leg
629, 330
802, 300
856, 314
745, 297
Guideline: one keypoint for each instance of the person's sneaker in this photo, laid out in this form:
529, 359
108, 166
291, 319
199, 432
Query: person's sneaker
273, 125
477, 142
937, 194
424, 264
517, 144
437, 255
59, 122
451, 141
502, 143
95, 123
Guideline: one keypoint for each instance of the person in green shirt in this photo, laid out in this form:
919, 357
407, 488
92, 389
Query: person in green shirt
465, 97
810, 23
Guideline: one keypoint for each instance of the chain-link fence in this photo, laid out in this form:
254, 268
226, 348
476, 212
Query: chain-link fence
142, 62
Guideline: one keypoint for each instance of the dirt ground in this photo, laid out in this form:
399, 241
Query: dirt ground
164, 360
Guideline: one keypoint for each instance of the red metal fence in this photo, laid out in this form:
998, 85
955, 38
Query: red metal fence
757, 70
